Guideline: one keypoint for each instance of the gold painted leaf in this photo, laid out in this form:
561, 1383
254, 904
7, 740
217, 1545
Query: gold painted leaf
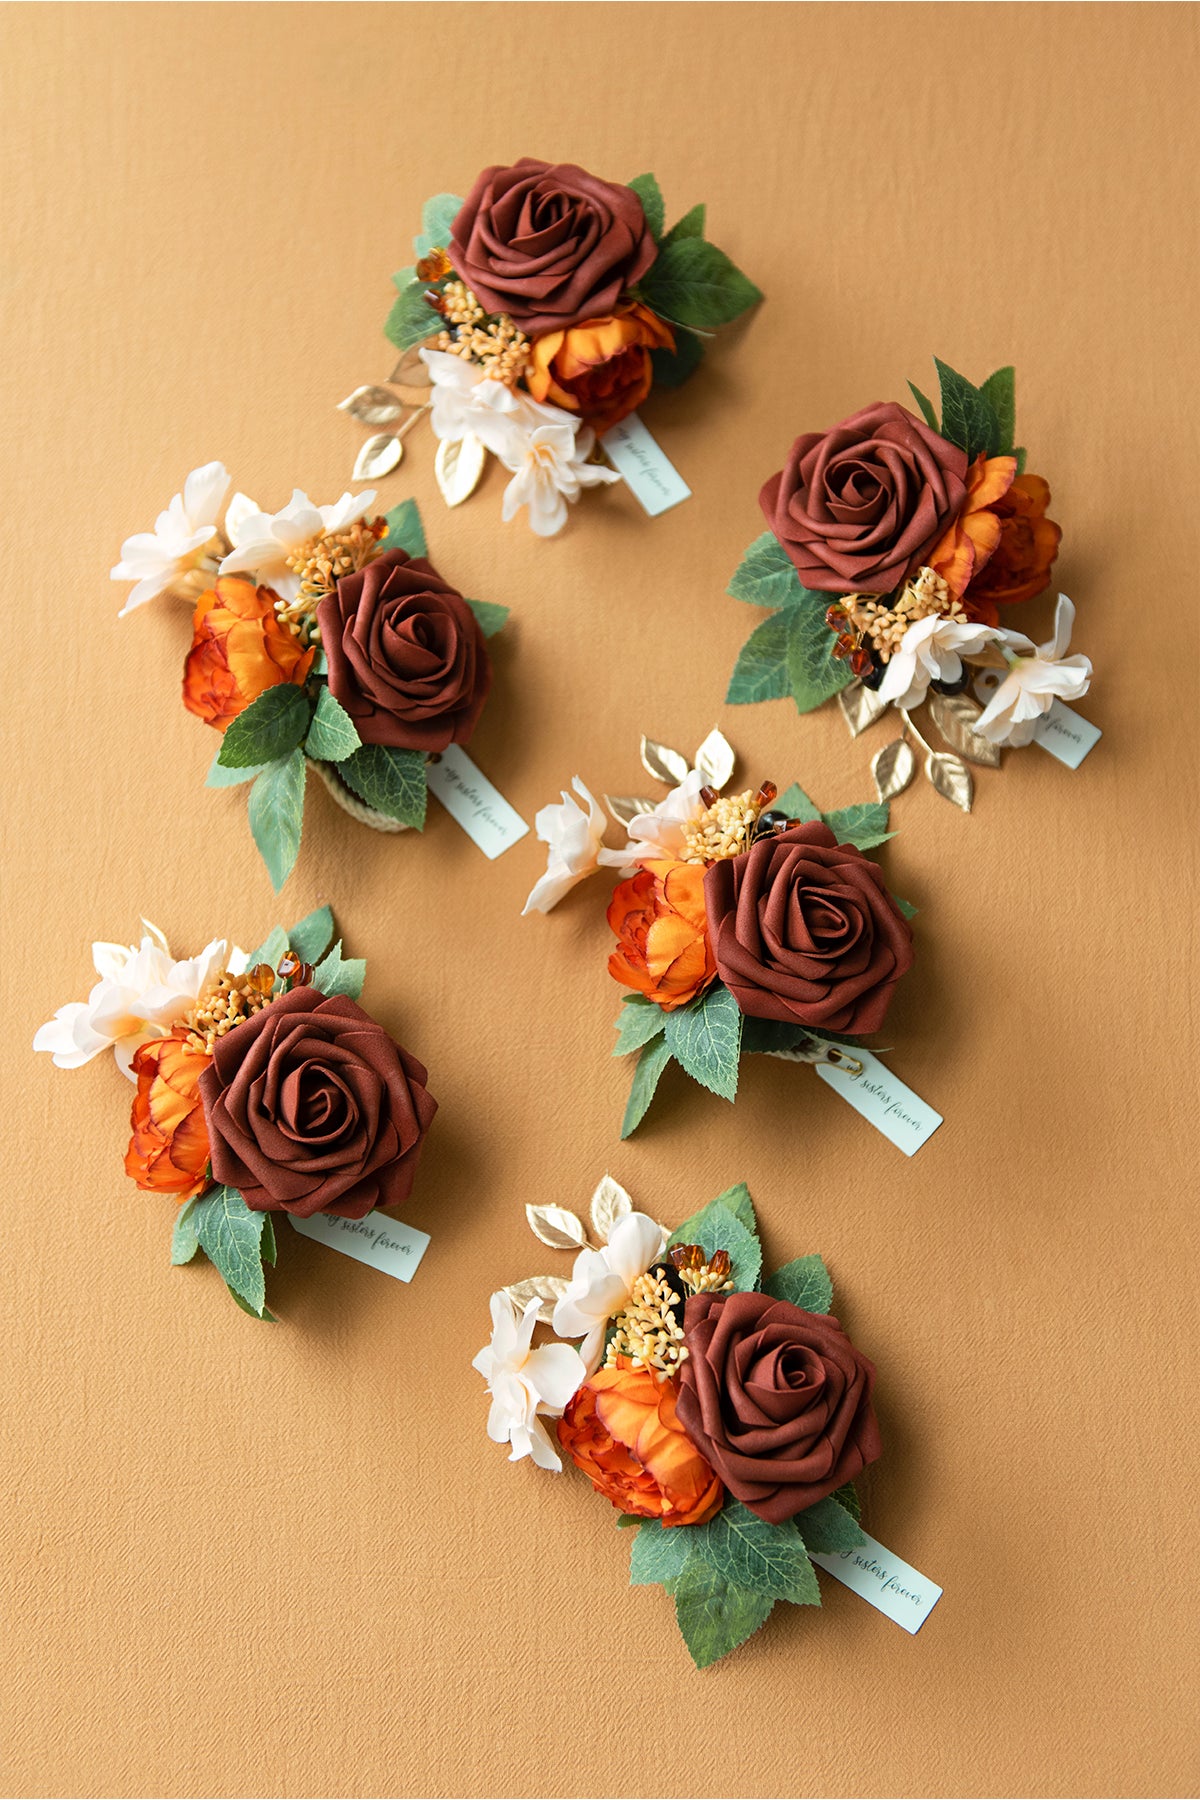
458, 467
625, 807
372, 406
951, 778
546, 1288
663, 763
410, 371
610, 1202
715, 759
555, 1226
893, 768
378, 456
861, 706
955, 716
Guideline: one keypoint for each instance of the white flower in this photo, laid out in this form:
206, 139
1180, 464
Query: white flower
550, 469
930, 650
265, 540
526, 1385
576, 840
1038, 674
660, 833
141, 994
466, 402
156, 560
602, 1280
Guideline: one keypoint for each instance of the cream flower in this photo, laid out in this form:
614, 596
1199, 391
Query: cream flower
265, 540
660, 833
930, 650
576, 840
602, 1281
141, 994
465, 402
1038, 675
159, 560
526, 1385
550, 469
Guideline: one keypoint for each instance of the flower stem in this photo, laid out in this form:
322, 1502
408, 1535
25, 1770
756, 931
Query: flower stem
907, 717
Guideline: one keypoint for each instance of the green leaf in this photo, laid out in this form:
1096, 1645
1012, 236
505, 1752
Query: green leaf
332, 735
270, 726
744, 1552
864, 825
714, 1618
638, 1022
393, 782
766, 575
184, 1242
906, 907
926, 406
627, 1521
405, 530
693, 283
310, 937
231, 1235
338, 974
737, 1200
437, 222
804, 1283
265, 1314
690, 226
650, 1065
267, 1248
705, 1038
650, 194
404, 277
763, 1037
761, 670
968, 418
847, 1496
491, 617
797, 805
1000, 392
673, 367
717, 1228
271, 949
411, 319
277, 815
814, 673
1020, 456
827, 1528
220, 777
659, 1555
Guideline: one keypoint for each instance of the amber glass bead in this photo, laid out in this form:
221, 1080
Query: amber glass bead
860, 661
766, 794
434, 299
709, 796
835, 618
843, 646
434, 267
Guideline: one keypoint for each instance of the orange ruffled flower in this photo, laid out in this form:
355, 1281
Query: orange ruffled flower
1019, 567
965, 547
168, 1152
622, 1430
239, 650
600, 368
659, 917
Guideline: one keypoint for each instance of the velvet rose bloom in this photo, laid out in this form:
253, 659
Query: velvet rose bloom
601, 369
1019, 566
168, 1152
239, 650
312, 1108
804, 931
858, 507
622, 1428
407, 658
664, 950
778, 1400
549, 244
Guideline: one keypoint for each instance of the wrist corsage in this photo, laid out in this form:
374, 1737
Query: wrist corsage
745, 923
322, 637
262, 1087
538, 314
894, 543
725, 1416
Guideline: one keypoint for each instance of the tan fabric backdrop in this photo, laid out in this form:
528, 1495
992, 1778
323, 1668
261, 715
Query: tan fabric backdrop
285, 1560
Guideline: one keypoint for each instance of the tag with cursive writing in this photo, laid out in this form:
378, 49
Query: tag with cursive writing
877, 1094
654, 480
380, 1242
469, 797
890, 1584
1065, 735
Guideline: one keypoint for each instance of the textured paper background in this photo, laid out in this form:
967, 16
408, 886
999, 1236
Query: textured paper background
286, 1561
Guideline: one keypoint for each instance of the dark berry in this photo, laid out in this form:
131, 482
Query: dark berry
950, 688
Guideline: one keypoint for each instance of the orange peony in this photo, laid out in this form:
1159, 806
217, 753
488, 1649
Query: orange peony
659, 917
168, 1152
239, 649
601, 368
964, 548
1019, 567
622, 1430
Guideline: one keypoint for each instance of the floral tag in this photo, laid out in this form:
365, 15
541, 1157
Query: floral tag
469, 797
378, 1241
650, 476
1066, 736
891, 1585
882, 1099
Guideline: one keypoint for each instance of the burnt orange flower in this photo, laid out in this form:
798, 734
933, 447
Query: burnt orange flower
600, 368
168, 1152
1019, 567
239, 649
659, 917
621, 1428
965, 546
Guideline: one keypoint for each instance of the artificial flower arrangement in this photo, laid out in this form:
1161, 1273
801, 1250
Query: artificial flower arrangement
261, 1087
745, 923
724, 1416
321, 638
540, 311
894, 541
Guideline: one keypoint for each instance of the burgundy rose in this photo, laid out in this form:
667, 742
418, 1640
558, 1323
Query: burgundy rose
312, 1108
804, 931
858, 508
407, 658
778, 1400
549, 244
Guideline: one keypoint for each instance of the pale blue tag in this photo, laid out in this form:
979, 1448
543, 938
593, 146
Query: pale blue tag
890, 1584
652, 479
877, 1094
380, 1242
469, 797
1065, 735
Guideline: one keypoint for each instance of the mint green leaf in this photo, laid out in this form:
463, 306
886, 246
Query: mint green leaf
827, 1528
264, 1314
693, 283
437, 222
230, 1235
705, 1038
701, 1225
797, 805
690, 226
310, 936
491, 617
650, 1065
968, 418
761, 670
270, 950
638, 1022
814, 673
268, 1247
766, 575
338, 974
926, 406
847, 1496
411, 319
659, 1555
1020, 456
714, 1618
744, 1552
1000, 392
737, 1200
332, 735
277, 815
804, 1283
906, 907
404, 277
650, 194
673, 367
393, 782
220, 777
270, 726
184, 1242
718, 1228
864, 825
405, 530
